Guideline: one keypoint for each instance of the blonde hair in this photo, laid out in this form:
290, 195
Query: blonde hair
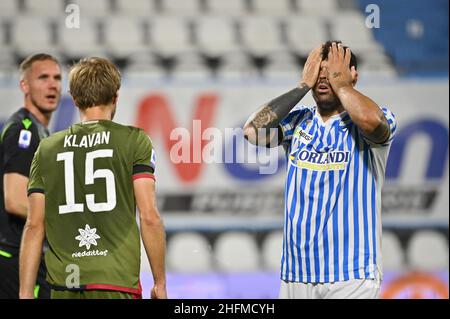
28, 62
93, 81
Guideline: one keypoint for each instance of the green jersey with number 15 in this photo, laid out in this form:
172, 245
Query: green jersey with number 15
86, 173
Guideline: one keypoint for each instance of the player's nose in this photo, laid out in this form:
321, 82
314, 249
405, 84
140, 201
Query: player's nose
53, 84
323, 74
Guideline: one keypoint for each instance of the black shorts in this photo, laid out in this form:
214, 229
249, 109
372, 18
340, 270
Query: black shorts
9, 279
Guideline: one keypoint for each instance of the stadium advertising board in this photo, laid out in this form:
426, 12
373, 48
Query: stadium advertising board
206, 168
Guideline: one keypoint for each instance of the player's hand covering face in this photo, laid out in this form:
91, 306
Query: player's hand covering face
312, 67
338, 66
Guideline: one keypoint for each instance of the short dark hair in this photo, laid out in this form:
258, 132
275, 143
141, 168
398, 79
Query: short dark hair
326, 48
26, 64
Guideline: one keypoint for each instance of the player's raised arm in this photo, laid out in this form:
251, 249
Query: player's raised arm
261, 127
153, 233
31, 246
365, 113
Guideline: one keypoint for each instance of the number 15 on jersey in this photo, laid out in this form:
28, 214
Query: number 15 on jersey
90, 176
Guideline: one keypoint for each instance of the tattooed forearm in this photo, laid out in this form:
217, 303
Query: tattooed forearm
264, 118
258, 126
277, 109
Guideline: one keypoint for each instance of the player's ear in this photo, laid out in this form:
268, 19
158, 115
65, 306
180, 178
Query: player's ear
354, 75
73, 101
24, 87
115, 98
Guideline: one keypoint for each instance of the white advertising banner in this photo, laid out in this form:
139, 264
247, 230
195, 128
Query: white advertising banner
206, 169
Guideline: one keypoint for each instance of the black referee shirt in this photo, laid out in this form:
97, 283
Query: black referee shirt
19, 140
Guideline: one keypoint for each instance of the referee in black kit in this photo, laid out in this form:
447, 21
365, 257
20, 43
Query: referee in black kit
40, 82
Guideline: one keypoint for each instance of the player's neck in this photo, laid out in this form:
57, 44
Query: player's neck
325, 113
42, 117
98, 112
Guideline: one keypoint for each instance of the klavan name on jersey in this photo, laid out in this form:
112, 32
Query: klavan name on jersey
86, 141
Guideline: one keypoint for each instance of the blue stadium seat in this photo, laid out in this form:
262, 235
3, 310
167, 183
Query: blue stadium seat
412, 32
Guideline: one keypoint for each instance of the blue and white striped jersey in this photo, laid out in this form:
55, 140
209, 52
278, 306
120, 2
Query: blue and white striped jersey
332, 228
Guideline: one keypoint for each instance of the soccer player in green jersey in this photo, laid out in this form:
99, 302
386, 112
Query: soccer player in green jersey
85, 183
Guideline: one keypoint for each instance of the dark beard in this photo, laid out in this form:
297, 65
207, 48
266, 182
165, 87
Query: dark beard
329, 106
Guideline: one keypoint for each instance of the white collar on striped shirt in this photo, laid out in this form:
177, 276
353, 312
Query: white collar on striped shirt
331, 119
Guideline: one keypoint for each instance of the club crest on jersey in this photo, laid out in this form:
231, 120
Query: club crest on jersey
343, 126
336, 160
24, 139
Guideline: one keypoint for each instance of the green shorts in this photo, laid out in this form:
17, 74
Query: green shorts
91, 294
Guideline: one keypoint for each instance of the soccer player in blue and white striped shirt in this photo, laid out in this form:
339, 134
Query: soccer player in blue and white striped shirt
336, 153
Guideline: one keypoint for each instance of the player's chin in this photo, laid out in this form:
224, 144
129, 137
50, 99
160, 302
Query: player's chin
49, 106
324, 97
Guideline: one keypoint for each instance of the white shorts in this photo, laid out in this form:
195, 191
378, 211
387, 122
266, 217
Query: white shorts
350, 289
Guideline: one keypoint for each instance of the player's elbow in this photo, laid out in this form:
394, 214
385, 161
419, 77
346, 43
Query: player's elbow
12, 206
150, 218
369, 123
35, 227
250, 134
9, 205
